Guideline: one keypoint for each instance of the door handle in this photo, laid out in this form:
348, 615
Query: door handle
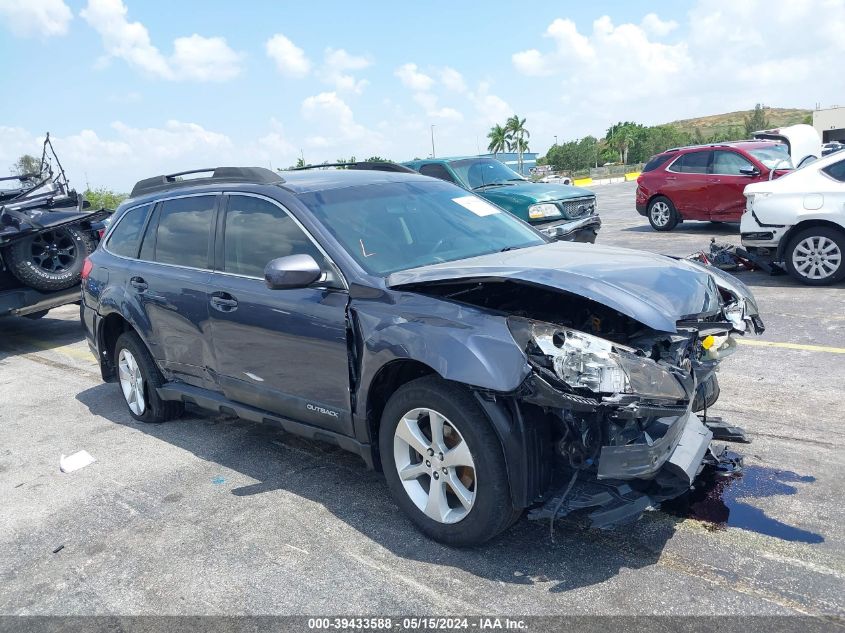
224, 302
139, 284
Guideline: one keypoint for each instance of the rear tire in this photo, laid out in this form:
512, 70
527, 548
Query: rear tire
50, 260
139, 377
487, 508
662, 214
815, 256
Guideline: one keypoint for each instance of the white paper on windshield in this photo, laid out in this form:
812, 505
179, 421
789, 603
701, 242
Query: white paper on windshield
478, 206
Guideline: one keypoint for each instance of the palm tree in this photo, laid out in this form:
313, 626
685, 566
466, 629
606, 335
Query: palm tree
499, 138
518, 135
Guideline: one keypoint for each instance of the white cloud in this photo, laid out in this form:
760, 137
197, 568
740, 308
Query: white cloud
334, 114
336, 63
491, 108
290, 59
653, 24
452, 79
194, 58
411, 77
41, 18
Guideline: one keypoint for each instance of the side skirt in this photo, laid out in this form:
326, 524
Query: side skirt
212, 401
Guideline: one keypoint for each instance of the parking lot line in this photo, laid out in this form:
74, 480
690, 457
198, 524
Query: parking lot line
799, 346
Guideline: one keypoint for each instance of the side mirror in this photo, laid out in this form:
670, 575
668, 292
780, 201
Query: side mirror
749, 171
293, 271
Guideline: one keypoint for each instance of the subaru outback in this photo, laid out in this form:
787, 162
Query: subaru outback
476, 362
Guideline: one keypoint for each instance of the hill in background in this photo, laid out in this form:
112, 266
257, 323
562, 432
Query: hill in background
721, 124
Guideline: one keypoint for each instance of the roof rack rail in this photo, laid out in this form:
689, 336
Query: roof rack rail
361, 165
256, 175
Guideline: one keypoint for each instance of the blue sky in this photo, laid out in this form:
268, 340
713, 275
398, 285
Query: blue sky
130, 88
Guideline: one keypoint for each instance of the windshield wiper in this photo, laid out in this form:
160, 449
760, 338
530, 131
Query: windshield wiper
493, 184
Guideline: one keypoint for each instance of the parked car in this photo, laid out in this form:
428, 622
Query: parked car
560, 211
556, 179
705, 182
446, 342
798, 221
833, 146
46, 231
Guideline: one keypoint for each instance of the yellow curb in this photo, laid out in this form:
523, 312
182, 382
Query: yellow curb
580, 182
632, 175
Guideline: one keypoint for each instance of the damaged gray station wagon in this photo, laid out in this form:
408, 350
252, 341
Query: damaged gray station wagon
482, 367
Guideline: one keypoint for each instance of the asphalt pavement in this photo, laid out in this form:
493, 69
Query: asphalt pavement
212, 515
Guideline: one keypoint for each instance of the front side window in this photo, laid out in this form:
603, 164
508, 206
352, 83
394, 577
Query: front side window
258, 231
184, 229
126, 236
402, 225
836, 171
692, 163
436, 170
729, 163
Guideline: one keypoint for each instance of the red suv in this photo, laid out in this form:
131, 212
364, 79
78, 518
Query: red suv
705, 182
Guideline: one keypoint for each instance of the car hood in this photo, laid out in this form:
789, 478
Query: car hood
656, 290
533, 192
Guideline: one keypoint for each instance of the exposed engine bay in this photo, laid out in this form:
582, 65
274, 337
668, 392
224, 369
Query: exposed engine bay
619, 398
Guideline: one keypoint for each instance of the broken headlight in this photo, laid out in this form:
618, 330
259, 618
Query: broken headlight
735, 313
584, 361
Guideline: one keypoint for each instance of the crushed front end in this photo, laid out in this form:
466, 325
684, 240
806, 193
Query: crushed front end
623, 416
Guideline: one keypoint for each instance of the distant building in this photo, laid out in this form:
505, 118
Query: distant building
511, 159
830, 123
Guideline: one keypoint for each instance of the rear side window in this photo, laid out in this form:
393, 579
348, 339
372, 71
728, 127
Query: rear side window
126, 236
258, 231
436, 170
836, 171
656, 161
184, 227
692, 163
729, 163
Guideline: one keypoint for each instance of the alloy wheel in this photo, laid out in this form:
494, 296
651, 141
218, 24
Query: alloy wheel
435, 465
131, 381
660, 213
54, 251
816, 257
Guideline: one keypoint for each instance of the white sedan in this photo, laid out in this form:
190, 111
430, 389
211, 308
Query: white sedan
798, 221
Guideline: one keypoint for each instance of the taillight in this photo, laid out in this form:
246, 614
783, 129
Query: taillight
87, 267
101, 233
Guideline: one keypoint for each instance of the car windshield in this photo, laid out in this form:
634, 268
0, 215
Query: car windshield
775, 157
483, 172
401, 225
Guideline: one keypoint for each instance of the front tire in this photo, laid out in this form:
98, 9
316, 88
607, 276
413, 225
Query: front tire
444, 464
139, 378
815, 256
662, 214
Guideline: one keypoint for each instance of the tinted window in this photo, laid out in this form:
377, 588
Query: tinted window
656, 161
729, 163
692, 163
436, 170
479, 172
400, 225
126, 236
184, 226
836, 171
258, 231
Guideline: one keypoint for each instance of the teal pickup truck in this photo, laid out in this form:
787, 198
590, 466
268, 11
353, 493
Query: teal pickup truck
560, 211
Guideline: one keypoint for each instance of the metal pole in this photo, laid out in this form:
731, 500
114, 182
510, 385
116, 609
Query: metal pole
555, 140
432, 142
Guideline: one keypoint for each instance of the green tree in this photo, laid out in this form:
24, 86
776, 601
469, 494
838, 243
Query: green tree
499, 139
102, 198
378, 159
622, 136
300, 162
757, 121
26, 164
519, 136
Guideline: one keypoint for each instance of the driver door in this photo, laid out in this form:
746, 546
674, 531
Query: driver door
282, 351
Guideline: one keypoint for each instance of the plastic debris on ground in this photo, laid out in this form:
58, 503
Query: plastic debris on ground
78, 460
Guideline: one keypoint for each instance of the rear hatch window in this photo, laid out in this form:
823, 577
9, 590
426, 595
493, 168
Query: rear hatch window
656, 161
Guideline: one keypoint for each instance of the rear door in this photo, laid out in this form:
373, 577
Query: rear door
686, 184
283, 351
727, 182
169, 283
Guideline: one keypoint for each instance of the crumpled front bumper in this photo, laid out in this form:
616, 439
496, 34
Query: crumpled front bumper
580, 230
